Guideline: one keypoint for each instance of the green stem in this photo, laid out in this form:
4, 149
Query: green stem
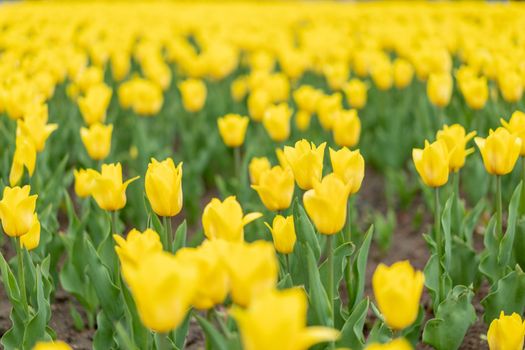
439, 241
287, 262
114, 222
237, 160
347, 237
330, 262
167, 228
499, 209
21, 274
162, 341
522, 206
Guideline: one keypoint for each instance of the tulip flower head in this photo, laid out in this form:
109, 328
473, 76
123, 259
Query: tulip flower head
306, 161
97, 140
506, 332
356, 92
516, 126
276, 121
164, 187
432, 163
456, 139
31, 239
52, 345
108, 189
17, 210
24, 157
396, 344
439, 89
257, 166
346, 128
327, 108
193, 92
500, 151
84, 180
349, 166
232, 128
403, 73
397, 289
94, 104
36, 129
306, 97
275, 188
283, 233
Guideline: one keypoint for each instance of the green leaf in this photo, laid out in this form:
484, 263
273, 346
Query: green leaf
285, 282
447, 236
216, 339
352, 331
464, 268
305, 230
454, 317
508, 295
180, 236
470, 220
506, 245
340, 254
359, 269
519, 243
320, 305
488, 265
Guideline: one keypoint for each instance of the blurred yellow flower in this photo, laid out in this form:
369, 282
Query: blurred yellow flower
232, 128
276, 121
349, 166
97, 140
193, 93
346, 128
456, 139
17, 210
164, 187
306, 161
516, 126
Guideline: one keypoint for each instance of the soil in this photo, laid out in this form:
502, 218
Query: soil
407, 243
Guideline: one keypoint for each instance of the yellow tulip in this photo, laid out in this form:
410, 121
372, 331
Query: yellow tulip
239, 88
500, 151
456, 140
275, 188
94, 104
97, 140
193, 92
52, 345
476, 92
439, 89
397, 289
108, 189
31, 239
24, 157
276, 121
36, 129
134, 248
277, 320
163, 288
432, 163
213, 285
252, 268
164, 187
511, 86
325, 204
17, 210
506, 332
232, 128
84, 180
516, 126
306, 97
327, 108
396, 344
403, 73
257, 166
349, 166
144, 96
346, 128
383, 74
306, 161
356, 92
281, 157
225, 220
120, 65
258, 102
283, 233
302, 120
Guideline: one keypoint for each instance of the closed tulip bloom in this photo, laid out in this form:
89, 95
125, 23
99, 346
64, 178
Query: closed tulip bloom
276, 121
347, 128
52, 345
356, 92
456, 139
439, 89
37, 130
325, 204
302, 120
403, 73
327, 108
163, 288
306, 161
283, 233
476, 92
500, 151
349, 166
432, 163
257, 166
277, 320
132, 249
84, 181
120, 65
24, 157
17, 210
306, 97
383, 74
239, 88
164, 187
252, 268
506, 332
193, 92
225, 220
97, 140
275, 188
396, 344
232, 128
108, 189
397, 289
511, 86
94, 104
258, 102
214, 283
516, 126
31, 239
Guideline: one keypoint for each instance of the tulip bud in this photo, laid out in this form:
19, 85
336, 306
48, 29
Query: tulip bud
347, 128
396, 344
302, 120
239, 88
349, 166
193, 94
225, 220
439, 89
383, 74
52, 345
356, 93
456, 140
516, 126
108, 189
24, 157
326, 204
37, 130
31, 239
306, 97
397, 289
258, 102
403, 73
256, 167
327, 108
97, 140
232, 128
275, 188
500, 151
511, 86
506, 332
283, 233
94, 104
306, 161
476, 92
164, 187
432, 163
17, 210
84, 180
276, 121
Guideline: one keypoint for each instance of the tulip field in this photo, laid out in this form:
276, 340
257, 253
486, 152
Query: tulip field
262, 175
